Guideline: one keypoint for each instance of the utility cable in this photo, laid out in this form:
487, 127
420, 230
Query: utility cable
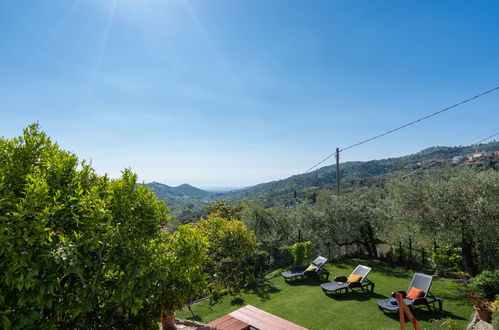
418, 169
486, 138
482, 135
406, 125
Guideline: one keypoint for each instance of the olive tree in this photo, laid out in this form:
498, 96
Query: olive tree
462, 208
346, 219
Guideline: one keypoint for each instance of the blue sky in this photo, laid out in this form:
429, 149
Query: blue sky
235, 93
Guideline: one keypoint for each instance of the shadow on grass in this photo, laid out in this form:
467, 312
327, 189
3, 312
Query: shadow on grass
425, 315
386, 269
196, 318
237, 301
263, 291
376, 265
307, 280
354, 295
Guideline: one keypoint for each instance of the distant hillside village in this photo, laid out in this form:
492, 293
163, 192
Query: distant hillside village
458, 160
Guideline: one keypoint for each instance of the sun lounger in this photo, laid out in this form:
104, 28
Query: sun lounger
314, 268
357, 279
418, 293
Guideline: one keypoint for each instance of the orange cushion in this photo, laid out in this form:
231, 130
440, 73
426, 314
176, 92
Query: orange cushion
354, 278
415, 293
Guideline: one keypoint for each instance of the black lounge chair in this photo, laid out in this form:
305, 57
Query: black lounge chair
340, 282
421, 282
298, 273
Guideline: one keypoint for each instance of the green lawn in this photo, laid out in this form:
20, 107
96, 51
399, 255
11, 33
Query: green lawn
304, 303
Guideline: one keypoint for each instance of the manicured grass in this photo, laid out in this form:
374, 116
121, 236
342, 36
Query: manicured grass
304, 303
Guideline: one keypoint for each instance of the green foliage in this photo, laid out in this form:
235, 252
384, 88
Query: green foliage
232, 252
302, 253
448, 324
179, 273
226, 210
447, 259
486, 283
78, 250
349, 219
274, 230
401, 256
495, 313
390, 255
460, 209
495, 320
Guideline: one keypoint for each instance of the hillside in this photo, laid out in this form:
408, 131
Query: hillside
183, 191
350, 172
187, 201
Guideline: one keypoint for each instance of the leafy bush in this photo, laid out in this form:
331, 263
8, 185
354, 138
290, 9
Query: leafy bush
302, 253
495, 313
448, 324
232, 252
78, 250
282, 257
495, 320
486, 283
447, 259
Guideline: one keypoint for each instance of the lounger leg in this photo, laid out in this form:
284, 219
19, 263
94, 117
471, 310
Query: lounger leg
439, 301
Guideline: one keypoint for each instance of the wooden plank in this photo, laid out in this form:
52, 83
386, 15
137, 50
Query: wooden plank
263, 320
272, 319
404, 310
272, 316
227, 322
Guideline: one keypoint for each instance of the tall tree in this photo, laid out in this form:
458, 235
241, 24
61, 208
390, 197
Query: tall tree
462, 208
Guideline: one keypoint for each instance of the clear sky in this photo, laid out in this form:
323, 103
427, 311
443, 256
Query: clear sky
235, 93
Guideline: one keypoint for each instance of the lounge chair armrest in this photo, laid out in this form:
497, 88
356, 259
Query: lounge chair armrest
340, 279
404, 294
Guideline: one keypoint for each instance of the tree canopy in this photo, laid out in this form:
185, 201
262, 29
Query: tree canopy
81, 250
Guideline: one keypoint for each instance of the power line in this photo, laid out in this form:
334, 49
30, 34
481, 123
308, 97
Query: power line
406, 125
481, 135
486, 138
417, 170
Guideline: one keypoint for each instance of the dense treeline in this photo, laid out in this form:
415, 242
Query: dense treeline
454, 208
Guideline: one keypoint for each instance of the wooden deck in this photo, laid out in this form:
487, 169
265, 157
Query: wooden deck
227, 322
250, 316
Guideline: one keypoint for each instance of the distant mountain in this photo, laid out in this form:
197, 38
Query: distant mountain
185, 190
223, 189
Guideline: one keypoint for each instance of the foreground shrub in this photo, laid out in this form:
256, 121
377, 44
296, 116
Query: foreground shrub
485, 284
78, 250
